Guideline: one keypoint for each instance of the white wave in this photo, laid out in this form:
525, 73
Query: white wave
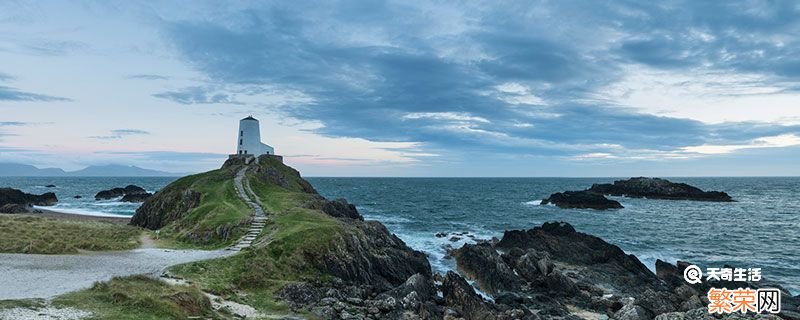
80, 211
533, 202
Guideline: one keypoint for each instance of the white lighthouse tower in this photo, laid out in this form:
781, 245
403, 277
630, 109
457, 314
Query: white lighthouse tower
249, 141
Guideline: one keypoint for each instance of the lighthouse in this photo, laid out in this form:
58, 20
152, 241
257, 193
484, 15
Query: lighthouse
249, 140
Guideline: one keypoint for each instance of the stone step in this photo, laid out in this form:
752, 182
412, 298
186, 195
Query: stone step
244, 243
256, 230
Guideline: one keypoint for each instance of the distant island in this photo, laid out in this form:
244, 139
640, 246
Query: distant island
110, 170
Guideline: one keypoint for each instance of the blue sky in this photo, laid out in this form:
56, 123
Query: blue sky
406, 88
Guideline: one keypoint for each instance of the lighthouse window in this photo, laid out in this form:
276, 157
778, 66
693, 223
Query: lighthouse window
241, 133
240, 142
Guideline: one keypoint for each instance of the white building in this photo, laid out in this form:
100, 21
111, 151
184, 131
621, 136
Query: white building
249, 141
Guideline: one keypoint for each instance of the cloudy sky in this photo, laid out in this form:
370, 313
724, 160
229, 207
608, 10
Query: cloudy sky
406, 88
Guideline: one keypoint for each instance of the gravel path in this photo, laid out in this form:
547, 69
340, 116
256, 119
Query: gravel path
46, 276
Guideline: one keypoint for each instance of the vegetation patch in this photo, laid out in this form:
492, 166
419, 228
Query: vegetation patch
213, 219
293, 233
28, 234
139, 297
22, 303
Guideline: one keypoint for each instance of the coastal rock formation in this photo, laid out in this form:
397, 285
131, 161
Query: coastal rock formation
16, 201
369, 254
110, 194
131, 193
555, 272
656, 188
341, 209
14, 208
141, 197
169, 204
581, 200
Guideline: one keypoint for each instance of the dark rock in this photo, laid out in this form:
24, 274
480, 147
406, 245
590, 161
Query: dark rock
341, 209
581, 200
656, 188
134, 190
633, 312
482, 263
459, 295
50, 186
597, 264
455, 238
370, 254
137, 197
78, 197
110, 194
534, 265
441, 234
14, 208
14, 196
168, 205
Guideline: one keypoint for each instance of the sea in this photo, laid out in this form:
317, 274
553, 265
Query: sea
758, 230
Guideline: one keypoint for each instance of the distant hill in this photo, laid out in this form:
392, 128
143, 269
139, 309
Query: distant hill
111, 170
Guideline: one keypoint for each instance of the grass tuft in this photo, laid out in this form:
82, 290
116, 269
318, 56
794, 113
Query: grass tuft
139, 297
28, 234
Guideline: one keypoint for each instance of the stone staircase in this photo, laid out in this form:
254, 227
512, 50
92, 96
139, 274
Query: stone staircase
259, 217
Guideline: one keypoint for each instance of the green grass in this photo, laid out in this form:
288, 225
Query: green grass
22, 303
292, 233
139, 297
28, 234
220, 208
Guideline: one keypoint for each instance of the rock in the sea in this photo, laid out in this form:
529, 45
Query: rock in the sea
78, 197
134, 189
656, 188
50, 186
14, 208
14, 196
137, 197
110, 194
131, 193
581, 200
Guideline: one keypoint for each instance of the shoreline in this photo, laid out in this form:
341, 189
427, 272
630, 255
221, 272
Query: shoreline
53, 214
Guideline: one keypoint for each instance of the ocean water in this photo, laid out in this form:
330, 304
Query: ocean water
66, 188
759, 230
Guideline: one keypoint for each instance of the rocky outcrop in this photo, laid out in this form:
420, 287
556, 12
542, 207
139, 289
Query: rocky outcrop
370, 254
110, 194
14, 208
14, 196
168, 205
482, 263
340, 208
131, 193
136, 197
656, 188
581, 200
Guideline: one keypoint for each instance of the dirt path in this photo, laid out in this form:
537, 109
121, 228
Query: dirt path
46, 276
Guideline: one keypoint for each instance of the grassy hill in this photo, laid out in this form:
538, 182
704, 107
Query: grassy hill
197, 210
308, 241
